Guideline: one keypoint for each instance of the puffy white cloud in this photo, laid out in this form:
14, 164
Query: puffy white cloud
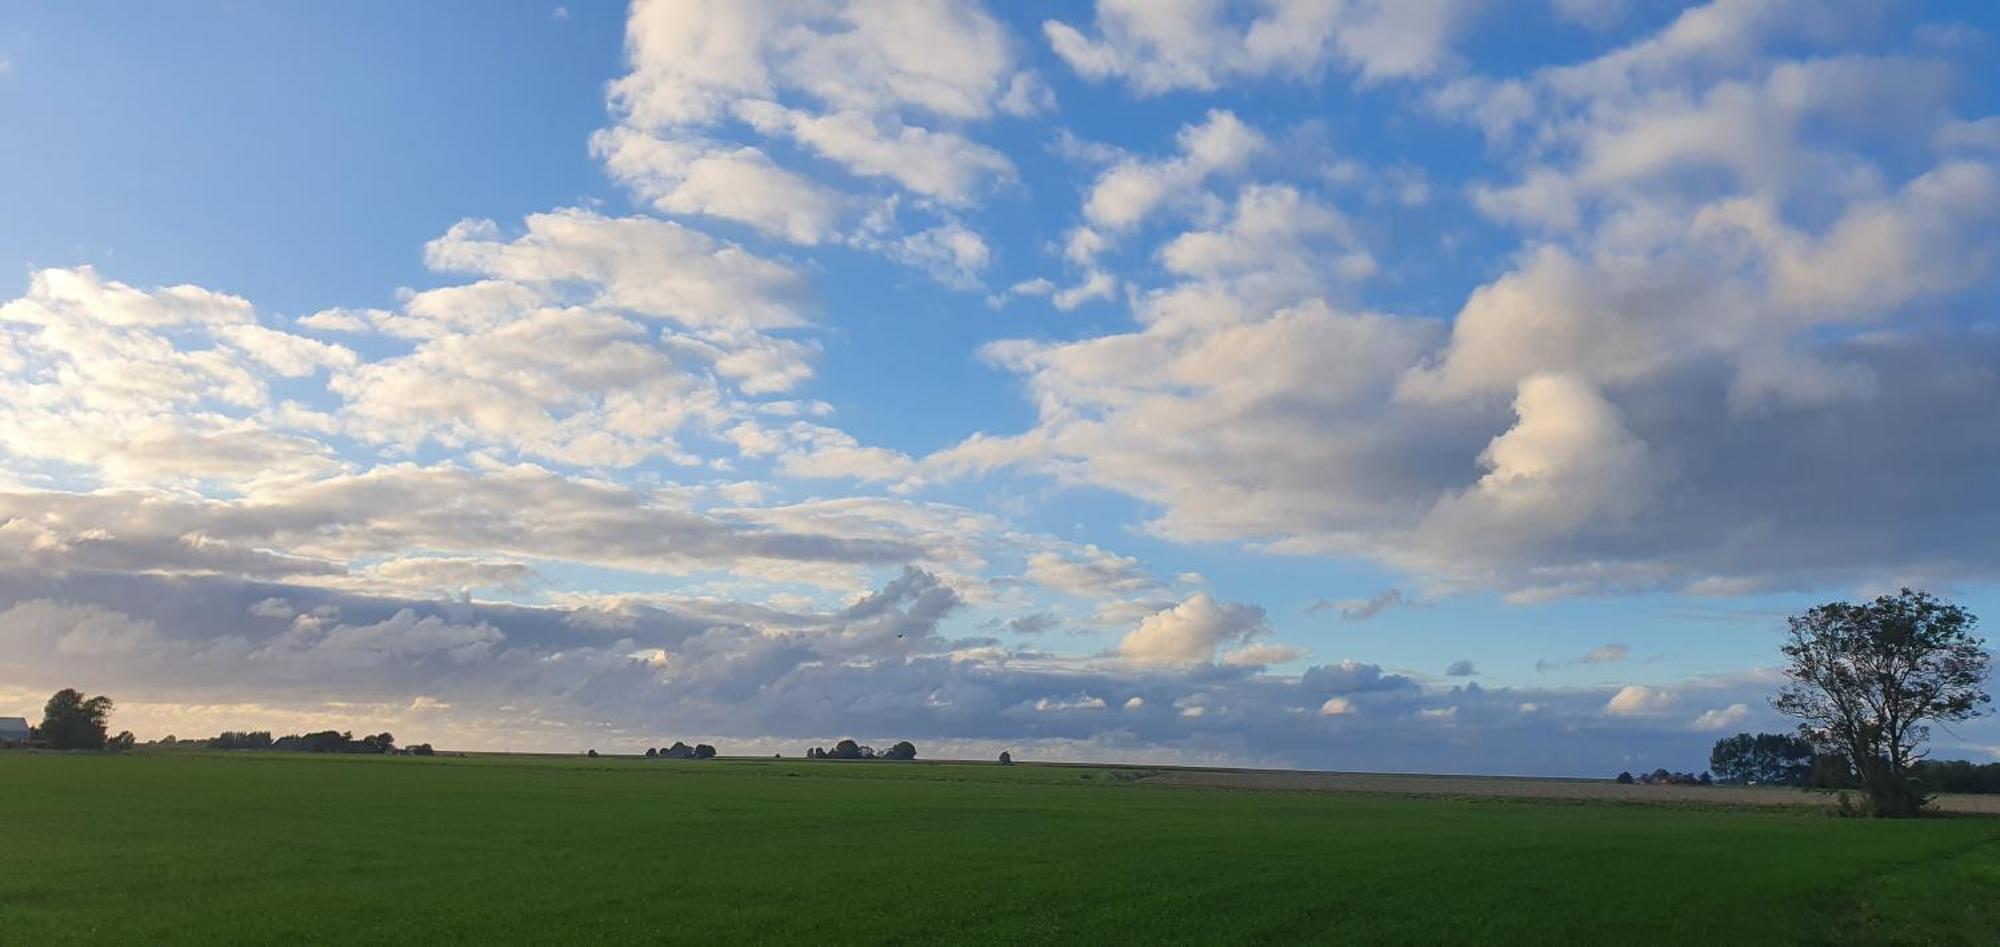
1126, 193
650, 267
692, 58
951, 253
340, 319
284, 354
1723, 718
860, 84
1204, 44
558, 354
1638, 700
1090, 571
1263, 654
1980, 134
1190, 632
1097, 285
739, 183
158, 386
1276, 246
1567, 464
942, 165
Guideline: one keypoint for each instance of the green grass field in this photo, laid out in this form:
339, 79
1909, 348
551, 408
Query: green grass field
151, 848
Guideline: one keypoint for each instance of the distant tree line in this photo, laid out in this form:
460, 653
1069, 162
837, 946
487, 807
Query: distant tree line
71, 721
1778, 759
319, 741
1662, 777
850, 750
681, 751
1958, 776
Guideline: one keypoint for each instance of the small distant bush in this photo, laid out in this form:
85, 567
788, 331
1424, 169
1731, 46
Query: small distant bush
1625, 779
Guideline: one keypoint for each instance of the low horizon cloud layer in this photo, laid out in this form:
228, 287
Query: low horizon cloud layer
1339, 303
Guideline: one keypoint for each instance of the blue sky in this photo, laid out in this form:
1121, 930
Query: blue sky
589, 366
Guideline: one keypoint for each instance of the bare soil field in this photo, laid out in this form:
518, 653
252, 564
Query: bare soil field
1502, 787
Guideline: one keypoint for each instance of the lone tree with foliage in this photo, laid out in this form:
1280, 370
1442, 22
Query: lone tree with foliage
1867, 680
71, 722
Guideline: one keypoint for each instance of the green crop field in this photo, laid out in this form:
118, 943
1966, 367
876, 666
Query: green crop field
150, 848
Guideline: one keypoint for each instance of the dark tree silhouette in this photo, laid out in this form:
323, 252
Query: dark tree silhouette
652, 752
1767, 759
233, 740
1625, 779
1006, 758
1866, 681
71, 722
904, 750
703, 751
1959, 776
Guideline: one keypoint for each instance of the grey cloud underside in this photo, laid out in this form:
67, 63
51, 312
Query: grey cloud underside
883, 666
1790, 496
523, 511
